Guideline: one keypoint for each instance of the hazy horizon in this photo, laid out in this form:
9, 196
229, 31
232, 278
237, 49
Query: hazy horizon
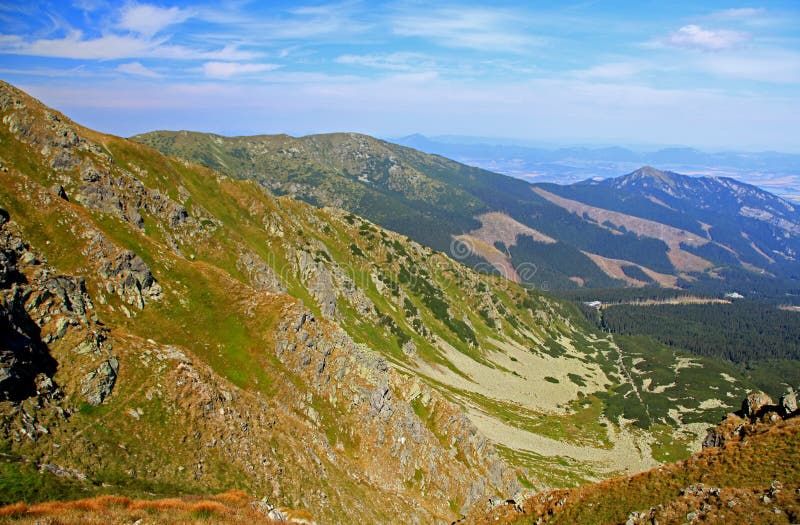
720, 76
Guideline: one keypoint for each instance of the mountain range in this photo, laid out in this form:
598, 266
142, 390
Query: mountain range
777, 172
172, 331
646, 227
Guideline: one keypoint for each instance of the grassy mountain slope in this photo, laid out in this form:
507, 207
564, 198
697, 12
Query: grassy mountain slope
170, 330
427, 197
752, 478
739, 223
630, 220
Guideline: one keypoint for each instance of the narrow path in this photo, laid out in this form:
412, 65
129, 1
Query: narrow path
624, 370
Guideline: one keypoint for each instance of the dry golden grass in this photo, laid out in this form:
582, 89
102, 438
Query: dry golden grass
742, 471
17, 509
232, 507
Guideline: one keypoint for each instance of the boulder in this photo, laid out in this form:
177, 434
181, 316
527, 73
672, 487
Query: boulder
789, 403
714, 438
755, 404
98, 384
71, 291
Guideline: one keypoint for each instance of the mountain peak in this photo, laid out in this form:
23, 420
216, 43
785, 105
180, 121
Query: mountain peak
649, 172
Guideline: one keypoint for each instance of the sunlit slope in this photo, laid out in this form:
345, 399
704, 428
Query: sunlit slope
229, 338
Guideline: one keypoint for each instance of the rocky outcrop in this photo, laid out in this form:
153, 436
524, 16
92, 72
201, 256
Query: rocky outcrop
123, 272
758, 412
122, 194
37, 309
98, 384
327, 282
319, 282
790, 403
24, 358
260, 275
444, 452
755, 404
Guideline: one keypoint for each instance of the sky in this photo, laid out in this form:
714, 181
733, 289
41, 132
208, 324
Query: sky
711, 75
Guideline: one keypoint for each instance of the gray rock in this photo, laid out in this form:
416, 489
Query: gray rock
58, 189
790, 403
89, 172
98, 384
128, 274
713, 439
63, 160
71, 291
259, 273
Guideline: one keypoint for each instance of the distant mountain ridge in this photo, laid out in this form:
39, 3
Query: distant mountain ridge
649, 227
756, 227
774, 171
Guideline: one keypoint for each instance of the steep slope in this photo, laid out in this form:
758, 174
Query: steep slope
747, 474
519, 378
429, 198
170, 330
150, 354
744, 224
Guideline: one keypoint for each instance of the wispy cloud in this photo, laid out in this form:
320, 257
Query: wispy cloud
696, 37
769, 67
148, 20
335, 21
473, 28
137, 69
229, 69
134, 31
392, 61
610, 70
90, 5
740, 12
114, 47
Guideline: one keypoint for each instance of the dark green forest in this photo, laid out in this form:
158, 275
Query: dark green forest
740, 332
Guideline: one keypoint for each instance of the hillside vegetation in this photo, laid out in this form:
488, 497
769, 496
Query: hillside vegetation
750, 476
647, 226
171, 331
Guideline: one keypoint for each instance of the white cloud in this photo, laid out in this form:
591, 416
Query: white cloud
696, 37
391, 61
338, 21
481, 29
740, 12
89, 5
137, 69
774, 67
147, 20
610, 70
113, 47
229, 69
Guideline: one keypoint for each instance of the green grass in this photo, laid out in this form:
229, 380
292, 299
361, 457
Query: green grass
552, 471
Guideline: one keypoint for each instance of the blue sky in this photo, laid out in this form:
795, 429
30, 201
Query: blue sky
713, 75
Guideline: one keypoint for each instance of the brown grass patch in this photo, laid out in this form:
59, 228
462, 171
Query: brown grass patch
160, 505
113, 501
208, 508
233, 497
231, 507
13, 510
